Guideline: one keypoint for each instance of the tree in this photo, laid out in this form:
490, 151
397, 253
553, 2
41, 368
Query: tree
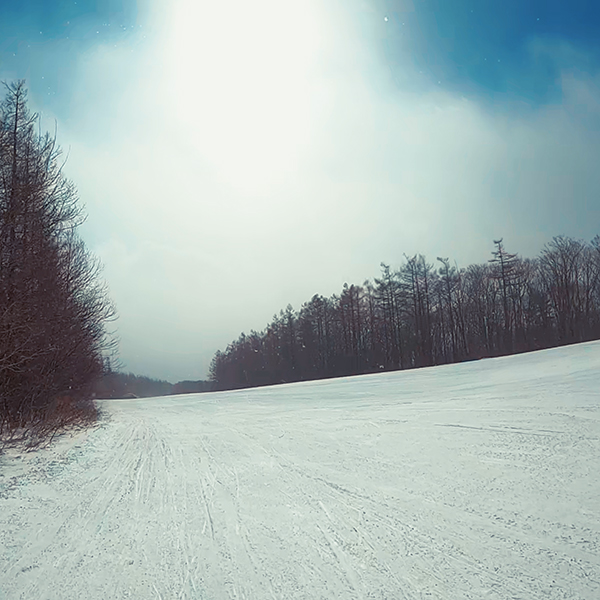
387, 296
570, 274
315, 330
447, 297
416, 276
53, 306
350, 309
505, 272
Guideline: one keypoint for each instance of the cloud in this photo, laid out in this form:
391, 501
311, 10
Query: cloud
206, 236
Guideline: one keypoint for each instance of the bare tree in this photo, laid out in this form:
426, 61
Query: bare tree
53, 307
560, 266
505, 272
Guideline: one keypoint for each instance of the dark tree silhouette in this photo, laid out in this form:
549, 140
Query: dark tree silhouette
416, 316
53, 306
506, 266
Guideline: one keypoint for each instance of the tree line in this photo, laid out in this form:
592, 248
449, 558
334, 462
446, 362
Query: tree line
127, 385
424, 314
53, 305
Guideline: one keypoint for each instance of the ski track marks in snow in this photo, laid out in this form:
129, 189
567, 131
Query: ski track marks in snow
472, 481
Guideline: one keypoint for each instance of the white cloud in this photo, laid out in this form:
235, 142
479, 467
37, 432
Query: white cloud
212, 211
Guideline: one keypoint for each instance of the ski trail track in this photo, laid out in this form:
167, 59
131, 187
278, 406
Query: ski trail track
473, 481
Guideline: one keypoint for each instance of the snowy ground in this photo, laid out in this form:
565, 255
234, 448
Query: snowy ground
479, 480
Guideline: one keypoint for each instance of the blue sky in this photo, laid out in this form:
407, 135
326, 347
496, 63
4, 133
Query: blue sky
234, 157
480, 49
43, 41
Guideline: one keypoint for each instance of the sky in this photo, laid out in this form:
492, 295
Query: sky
234, 157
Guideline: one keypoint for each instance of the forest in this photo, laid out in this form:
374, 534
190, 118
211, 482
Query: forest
424, 314
54, 306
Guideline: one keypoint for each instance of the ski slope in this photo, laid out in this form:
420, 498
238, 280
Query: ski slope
479, 480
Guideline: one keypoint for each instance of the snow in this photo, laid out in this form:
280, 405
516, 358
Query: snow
479, 480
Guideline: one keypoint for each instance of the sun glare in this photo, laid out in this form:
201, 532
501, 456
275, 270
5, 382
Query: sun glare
240, 77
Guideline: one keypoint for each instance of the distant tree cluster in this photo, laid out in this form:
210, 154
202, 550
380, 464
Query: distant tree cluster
128, 385
192, 387
53, 306
420, 315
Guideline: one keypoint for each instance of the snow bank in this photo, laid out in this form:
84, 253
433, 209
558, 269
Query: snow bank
478, 480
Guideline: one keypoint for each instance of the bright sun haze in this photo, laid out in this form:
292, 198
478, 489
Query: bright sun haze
234, 158
241, 77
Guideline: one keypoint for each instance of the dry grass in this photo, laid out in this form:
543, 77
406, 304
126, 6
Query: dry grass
64, 413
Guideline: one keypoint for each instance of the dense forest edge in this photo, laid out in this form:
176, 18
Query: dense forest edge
54, 306
423, 314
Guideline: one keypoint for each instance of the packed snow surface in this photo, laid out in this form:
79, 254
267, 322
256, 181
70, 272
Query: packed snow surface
479, 480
